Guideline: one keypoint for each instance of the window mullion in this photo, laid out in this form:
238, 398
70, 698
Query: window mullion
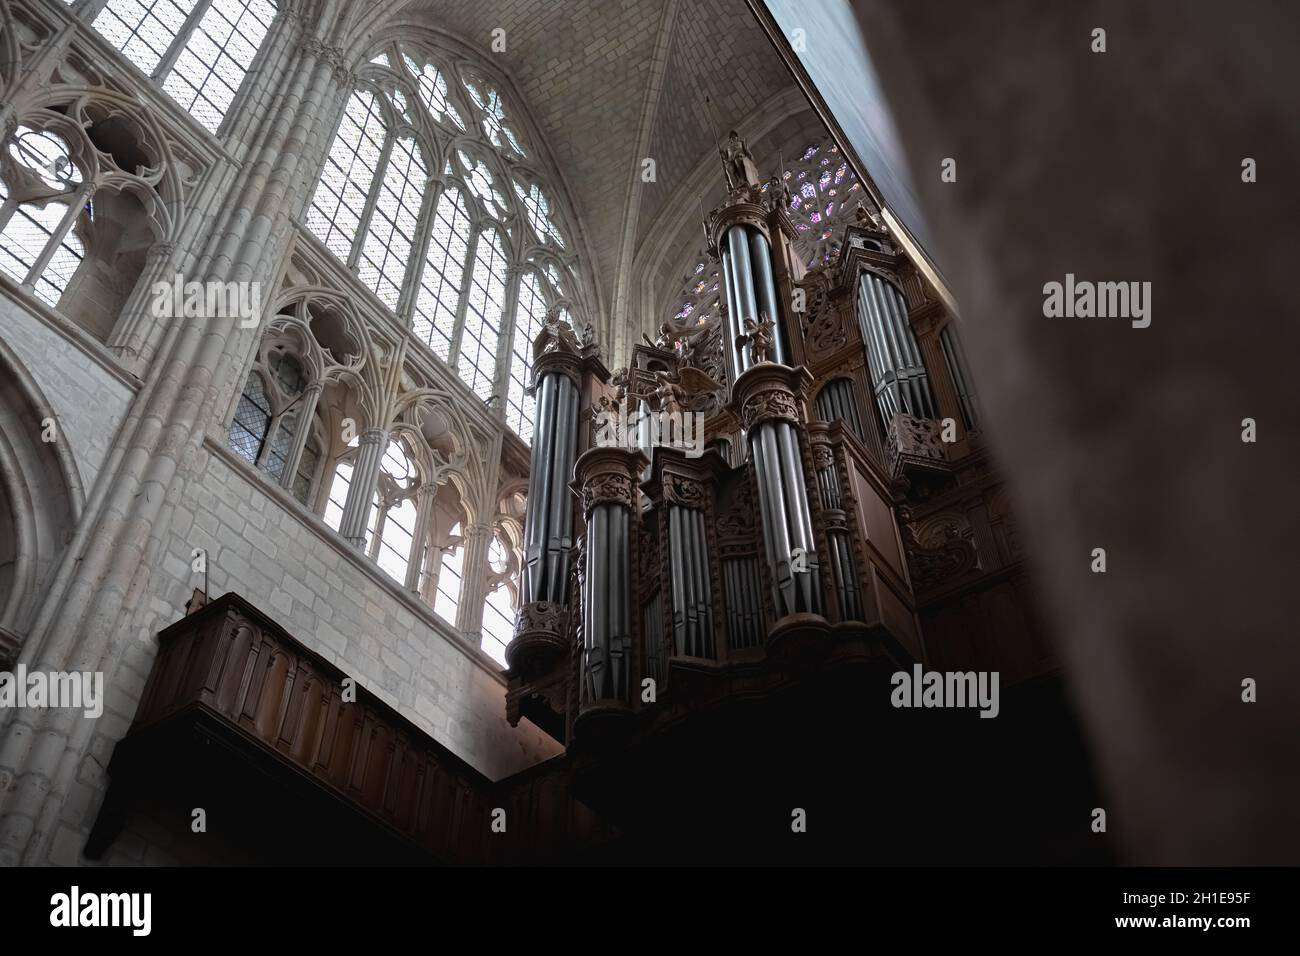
510, 326
268, 441
372, 200
182, 38
78, 203
420, 249
458, 330
382, 506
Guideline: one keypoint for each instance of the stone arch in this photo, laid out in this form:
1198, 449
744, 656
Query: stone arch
41, 498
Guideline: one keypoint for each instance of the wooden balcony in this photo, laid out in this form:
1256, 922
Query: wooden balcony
241, 719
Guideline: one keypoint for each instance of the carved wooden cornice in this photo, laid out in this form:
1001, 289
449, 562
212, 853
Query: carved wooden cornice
608, 476
540, 637
738, 214
769, 391
677, 479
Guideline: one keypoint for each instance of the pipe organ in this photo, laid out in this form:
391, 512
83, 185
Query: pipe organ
754, 497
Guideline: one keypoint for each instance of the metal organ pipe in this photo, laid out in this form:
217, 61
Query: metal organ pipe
898, 376
620, 584
607, 479
691, 598
548, 520
703, 597
744, 302
728, 336
787, 521
760, 254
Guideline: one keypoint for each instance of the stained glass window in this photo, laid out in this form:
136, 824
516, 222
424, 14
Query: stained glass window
818, 209
200, 49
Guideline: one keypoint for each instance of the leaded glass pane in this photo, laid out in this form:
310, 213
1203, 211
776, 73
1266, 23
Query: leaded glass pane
482, 334
217, 56
531, 310
335, 213
438, 297
386, 252
252, 418
143, 29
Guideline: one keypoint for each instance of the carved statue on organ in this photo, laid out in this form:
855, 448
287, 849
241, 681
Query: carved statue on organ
738, 163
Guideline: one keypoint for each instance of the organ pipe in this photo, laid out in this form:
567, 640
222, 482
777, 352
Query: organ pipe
548, 520
607, 480
898, 376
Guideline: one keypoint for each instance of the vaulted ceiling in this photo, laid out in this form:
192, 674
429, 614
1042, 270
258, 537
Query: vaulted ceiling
611, 83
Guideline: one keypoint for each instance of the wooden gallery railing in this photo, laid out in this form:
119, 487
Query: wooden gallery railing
232, 666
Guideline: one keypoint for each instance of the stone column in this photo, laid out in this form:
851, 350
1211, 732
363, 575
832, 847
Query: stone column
473, 580
361, 492
425, 496
306, 420
91, 603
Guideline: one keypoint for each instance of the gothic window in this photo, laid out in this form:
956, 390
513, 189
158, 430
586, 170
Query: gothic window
823, 194
42, 202
499, 606
200, 50
432, 86
390, 237
493, 115
700, 294
529, 313
483, 314
339, 490
305, 477
539, 214
438, 297
252, 419
431, 197
447, 601
277, 454
267, 421
340, 200
392, 517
